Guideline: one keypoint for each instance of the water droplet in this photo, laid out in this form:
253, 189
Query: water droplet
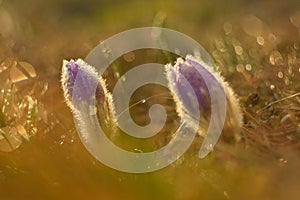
144, 101
129, 57
138, 150
272, 87
117, 75
280, 74
240, 68
238, 50
282, 161
260, 40
248, 67
105, 50
220, 45
272, 38
276, 58
31, 102
286, 80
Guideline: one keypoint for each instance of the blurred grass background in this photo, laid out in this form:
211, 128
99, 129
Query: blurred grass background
55, 165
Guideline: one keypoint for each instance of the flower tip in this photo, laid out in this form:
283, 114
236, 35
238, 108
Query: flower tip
65, 62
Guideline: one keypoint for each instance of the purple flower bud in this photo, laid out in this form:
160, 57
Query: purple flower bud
88, 85
86, 76
194, 79
180, 90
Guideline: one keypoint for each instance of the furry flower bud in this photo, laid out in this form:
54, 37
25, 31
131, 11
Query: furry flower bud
184, 102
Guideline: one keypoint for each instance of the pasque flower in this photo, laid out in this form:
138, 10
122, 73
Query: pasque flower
86, 75
87, 78
184, 102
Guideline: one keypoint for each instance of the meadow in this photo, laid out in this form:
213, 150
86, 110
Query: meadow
255, 45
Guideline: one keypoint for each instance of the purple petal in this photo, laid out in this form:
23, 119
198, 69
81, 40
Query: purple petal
86, 77
189, 70
80, 99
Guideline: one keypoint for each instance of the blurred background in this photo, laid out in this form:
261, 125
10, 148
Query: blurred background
255, 45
